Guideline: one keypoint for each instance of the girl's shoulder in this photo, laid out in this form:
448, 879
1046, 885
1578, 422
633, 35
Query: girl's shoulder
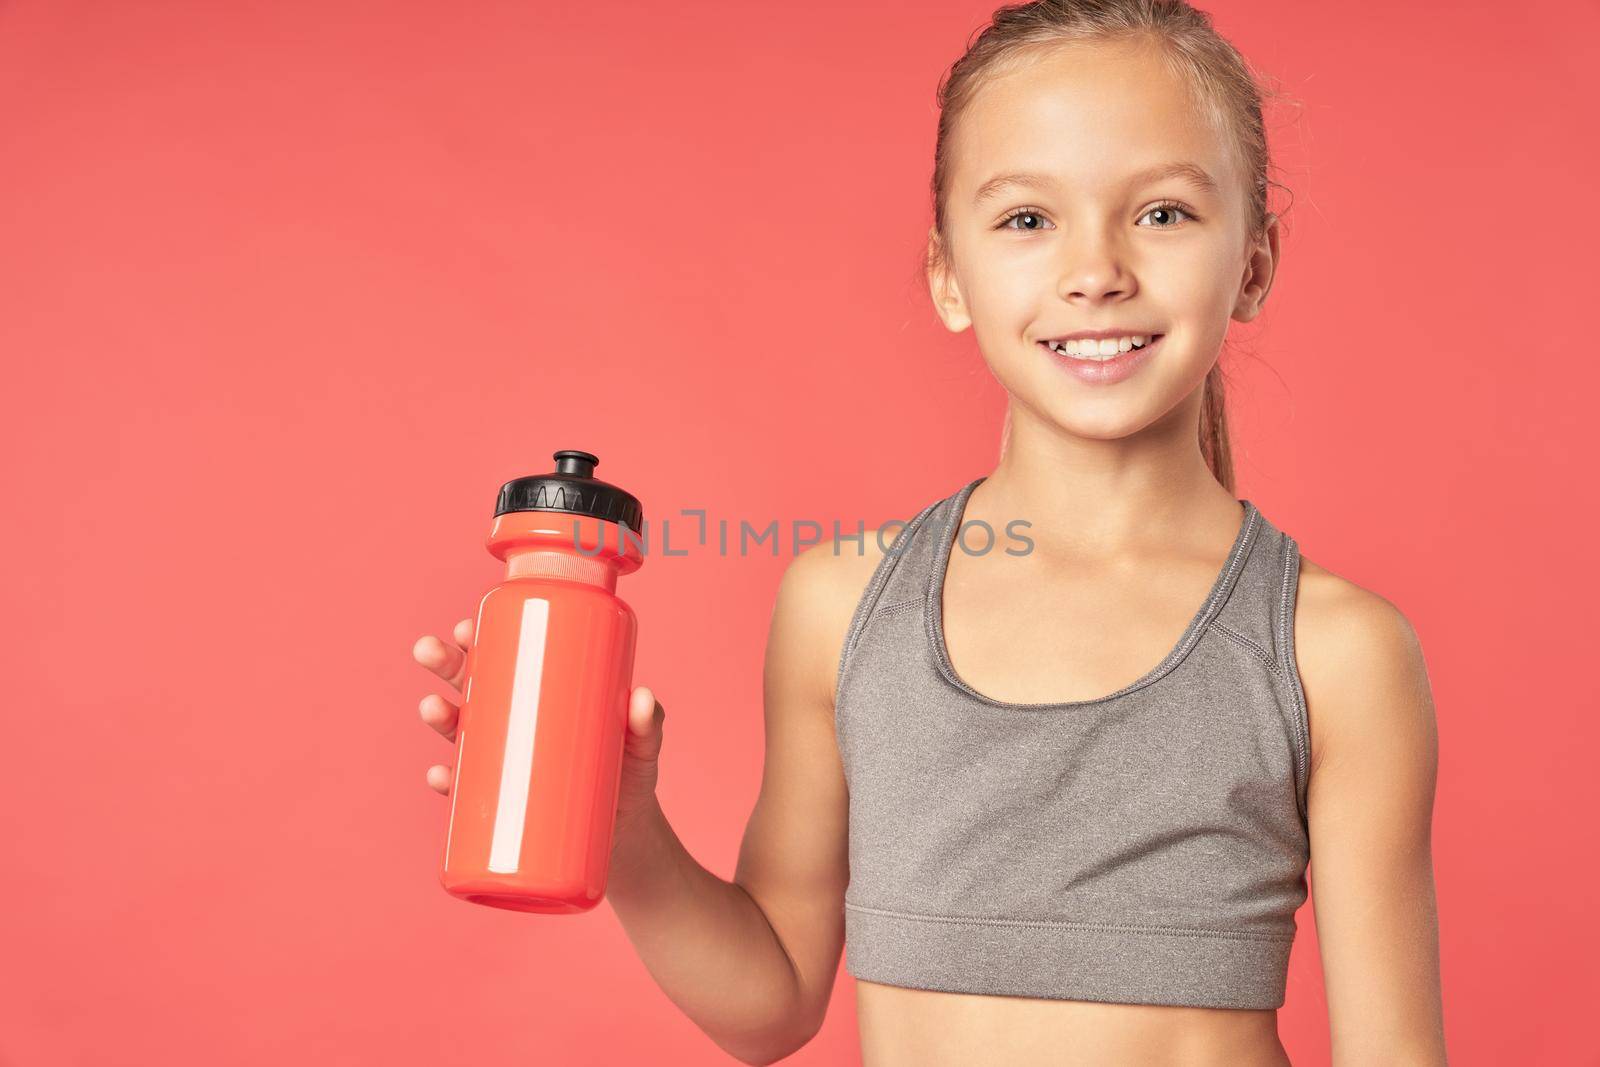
818, 595
1361, 665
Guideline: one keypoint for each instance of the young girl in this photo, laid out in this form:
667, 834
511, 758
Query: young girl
1056, 793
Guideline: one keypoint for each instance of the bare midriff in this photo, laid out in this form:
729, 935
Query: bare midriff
923, 1028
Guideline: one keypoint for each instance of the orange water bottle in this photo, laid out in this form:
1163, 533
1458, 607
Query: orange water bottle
544, 712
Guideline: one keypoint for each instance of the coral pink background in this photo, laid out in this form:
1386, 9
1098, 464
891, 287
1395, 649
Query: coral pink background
288, 289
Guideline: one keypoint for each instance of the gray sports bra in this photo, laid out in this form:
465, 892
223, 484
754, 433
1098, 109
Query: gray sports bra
1146, 847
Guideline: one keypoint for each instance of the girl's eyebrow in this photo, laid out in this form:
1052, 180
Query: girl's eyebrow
1192, 173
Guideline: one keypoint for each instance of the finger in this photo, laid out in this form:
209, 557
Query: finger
440, 777
642, 709
463, 634
440, 714
448, 661
645, 718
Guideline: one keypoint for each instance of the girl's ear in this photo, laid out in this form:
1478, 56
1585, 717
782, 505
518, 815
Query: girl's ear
942, 286
1259, 270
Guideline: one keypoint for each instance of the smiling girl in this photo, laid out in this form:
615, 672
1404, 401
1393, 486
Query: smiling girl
1059, 804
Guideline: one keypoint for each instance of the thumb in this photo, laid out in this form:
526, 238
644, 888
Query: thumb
645, 718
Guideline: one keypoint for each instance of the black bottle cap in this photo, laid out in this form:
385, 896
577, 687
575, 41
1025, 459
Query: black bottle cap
572, 488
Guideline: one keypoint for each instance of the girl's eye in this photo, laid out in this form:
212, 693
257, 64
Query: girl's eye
1021, 213
1168, 207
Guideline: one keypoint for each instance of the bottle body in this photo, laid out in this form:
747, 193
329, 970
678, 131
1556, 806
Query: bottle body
543, 725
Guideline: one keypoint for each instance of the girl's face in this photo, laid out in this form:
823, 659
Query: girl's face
1094, 236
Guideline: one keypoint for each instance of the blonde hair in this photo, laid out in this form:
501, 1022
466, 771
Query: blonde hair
1221, 85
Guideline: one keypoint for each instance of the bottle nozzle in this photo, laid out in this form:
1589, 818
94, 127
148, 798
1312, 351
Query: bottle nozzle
572, 461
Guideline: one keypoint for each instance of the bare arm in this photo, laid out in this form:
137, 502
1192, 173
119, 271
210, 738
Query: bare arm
752, 960
1370, 803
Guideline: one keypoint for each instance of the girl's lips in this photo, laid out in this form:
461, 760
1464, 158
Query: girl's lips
1109, 371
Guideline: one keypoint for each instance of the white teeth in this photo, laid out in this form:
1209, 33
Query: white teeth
1100, 350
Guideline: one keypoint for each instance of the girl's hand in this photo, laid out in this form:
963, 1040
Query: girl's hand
448, 659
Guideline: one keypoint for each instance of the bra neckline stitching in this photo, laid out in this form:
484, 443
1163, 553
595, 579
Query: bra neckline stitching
933, 608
